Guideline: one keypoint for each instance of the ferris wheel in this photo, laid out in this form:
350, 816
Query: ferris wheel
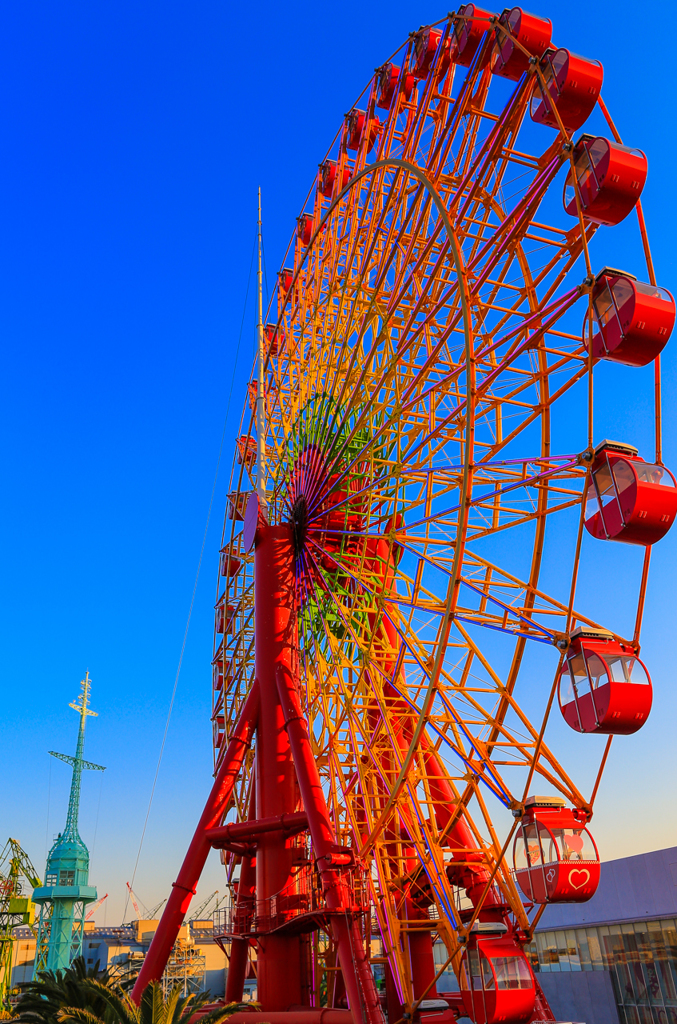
398, 585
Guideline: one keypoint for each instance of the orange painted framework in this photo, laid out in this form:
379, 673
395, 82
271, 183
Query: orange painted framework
418, 343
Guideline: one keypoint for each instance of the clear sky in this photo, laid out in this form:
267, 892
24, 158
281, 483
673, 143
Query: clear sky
134, 136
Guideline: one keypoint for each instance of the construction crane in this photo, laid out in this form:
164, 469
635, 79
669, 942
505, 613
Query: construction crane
16, 907
197, 916
139, 915
138, 904
94, 907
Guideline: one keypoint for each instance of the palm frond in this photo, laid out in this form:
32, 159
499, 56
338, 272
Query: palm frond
77, 1014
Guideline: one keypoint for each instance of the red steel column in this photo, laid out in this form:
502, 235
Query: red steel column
184, 887
279, 956
239, 948
244, 911
355, 967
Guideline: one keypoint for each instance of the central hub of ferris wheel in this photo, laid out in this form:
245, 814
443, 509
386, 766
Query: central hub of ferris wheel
299, 521
388, 568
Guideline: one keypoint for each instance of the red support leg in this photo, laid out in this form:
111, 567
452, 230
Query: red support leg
184, 887
421, 957
246, 894
278, 956
239, 948
355, 968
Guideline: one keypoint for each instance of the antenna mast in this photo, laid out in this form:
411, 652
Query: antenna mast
260, 393
67, 892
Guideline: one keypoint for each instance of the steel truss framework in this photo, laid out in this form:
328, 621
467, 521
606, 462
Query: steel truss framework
427, 356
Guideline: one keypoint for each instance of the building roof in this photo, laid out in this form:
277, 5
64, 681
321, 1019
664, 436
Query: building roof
640, 888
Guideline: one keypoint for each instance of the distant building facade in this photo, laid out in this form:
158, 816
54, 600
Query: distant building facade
613, 960
198, 960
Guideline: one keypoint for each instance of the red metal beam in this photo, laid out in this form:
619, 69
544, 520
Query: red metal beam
184, 887
304, 1015
355, 967
279, 958
246, 894
243, 831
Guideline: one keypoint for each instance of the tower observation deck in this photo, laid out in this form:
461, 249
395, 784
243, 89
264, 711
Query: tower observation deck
66, 892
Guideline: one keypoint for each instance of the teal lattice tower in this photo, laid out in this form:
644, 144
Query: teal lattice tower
66, 892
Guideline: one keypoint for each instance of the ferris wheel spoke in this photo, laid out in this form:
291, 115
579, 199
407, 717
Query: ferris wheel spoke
417, 475
528, 591
492, 399
382, 381
498, 446
521, 518
484, 164
416, 710
493, 782
401, 353
472, 95
502, 736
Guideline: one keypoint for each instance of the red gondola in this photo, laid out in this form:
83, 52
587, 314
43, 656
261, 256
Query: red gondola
610, 180
284, 279
634, 319
555, 857
327, 177
274, 338
497, 983
356, 122
236, 505
604, 687
305, 228
470, 27
628, 499
426, 46
219, 730
246, 450
388, 77
228, 567
217, 676
572, 85
508, 60
225, 615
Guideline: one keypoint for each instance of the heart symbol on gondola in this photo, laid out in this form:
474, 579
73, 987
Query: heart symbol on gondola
578, 871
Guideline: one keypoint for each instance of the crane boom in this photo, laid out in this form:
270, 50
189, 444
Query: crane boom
203, 906
158, 906
95, 906
16, 907
22, 861
134, 903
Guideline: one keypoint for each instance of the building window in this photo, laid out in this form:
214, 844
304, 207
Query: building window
66, 878
447, 981
640, 957
50, 879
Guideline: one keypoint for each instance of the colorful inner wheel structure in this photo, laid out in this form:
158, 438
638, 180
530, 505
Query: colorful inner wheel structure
399, 609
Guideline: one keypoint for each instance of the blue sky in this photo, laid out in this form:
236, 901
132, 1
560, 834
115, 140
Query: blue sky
134, 138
